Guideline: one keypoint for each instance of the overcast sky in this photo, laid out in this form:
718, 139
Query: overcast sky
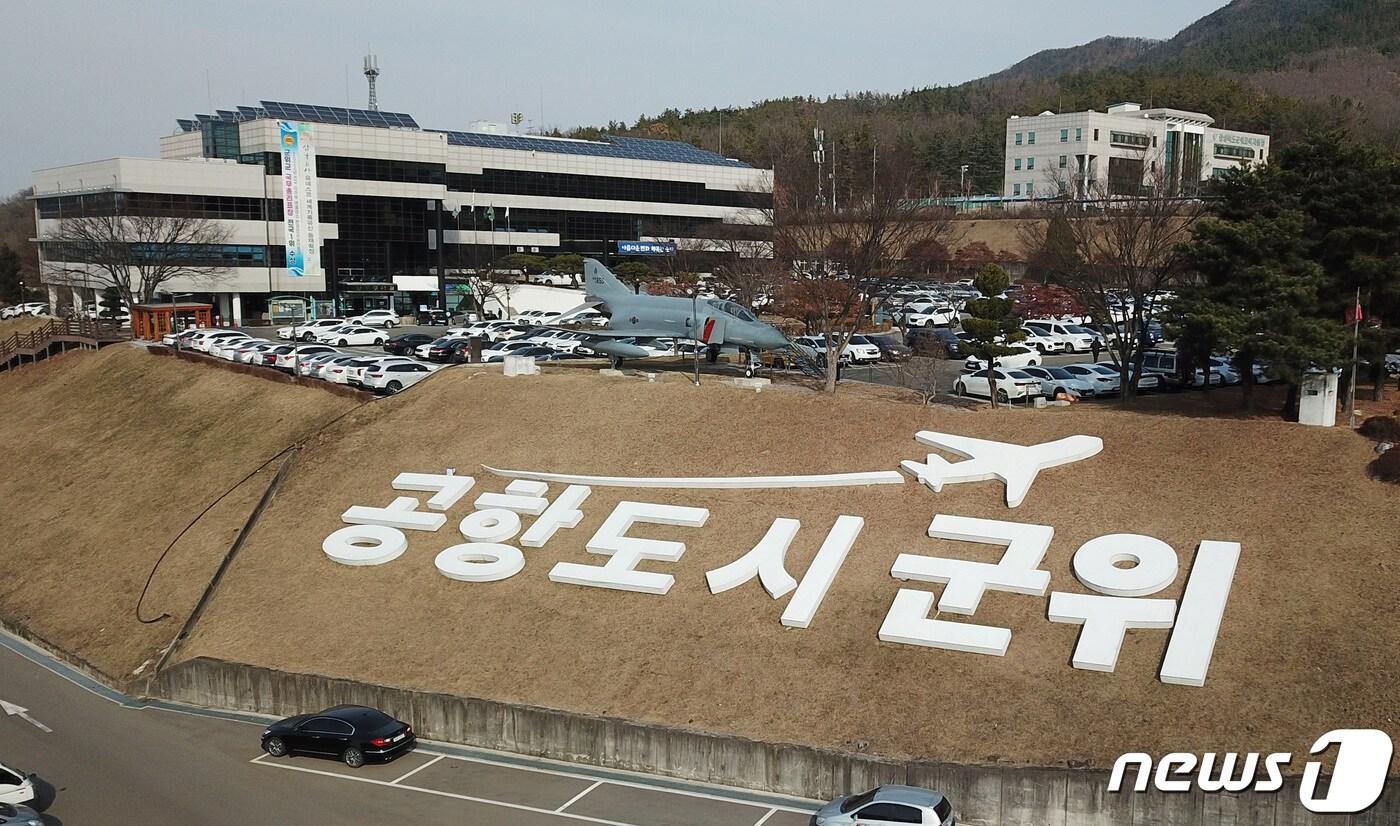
89, 80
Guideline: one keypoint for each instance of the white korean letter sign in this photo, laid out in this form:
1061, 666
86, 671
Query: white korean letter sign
299, 198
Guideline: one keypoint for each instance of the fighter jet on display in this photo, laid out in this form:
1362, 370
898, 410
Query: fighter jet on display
713, 322
1016, 465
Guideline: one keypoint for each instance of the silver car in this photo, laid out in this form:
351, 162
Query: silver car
13, 813
888, 805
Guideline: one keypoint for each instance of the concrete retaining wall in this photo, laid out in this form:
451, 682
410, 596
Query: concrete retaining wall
982, 795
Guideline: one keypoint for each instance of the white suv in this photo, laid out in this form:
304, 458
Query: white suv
375, 318
307, 331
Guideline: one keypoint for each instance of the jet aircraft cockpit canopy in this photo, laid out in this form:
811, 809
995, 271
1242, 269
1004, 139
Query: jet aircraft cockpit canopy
738, 310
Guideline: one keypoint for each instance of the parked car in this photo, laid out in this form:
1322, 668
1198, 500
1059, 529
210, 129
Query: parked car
16, 787
1019, 357
352, 734
251, 351
536, 317
1106, 379
376, 318
355, 370
442, 350
432, 318
294, 353
939, 342
307, 330
864, 350
1392, 364
926, 314
1056, 380
1011, 384
1164, 363
14, 815
225, 346
311, 365
406, 343
537, 352
1042, 342
352, 335
1077, 339
326, 367
890, 348
888, 804
395, 376
501, 349
27, 308
203, 339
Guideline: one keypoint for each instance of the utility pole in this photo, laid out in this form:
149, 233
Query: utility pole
1355, 354
819, 158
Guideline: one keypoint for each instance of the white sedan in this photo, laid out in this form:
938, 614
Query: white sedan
352, 335
308, 330
227, 348
376, 318
288, 360
251, 351
16, 787
1011, 384
1020, 357
395, 376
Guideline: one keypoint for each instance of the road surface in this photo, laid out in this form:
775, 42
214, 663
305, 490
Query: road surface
106, 759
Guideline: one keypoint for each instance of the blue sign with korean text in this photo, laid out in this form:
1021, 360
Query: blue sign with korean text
646, 248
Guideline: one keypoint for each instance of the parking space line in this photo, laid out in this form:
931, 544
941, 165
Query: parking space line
631, 784
454, 795
259, 758
576, 797
412, 772
766, 815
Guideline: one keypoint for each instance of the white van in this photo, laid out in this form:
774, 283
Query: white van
1077, 339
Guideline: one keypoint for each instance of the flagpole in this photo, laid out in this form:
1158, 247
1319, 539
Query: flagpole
1355, 358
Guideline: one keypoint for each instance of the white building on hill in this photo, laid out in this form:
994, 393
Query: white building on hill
1120, 152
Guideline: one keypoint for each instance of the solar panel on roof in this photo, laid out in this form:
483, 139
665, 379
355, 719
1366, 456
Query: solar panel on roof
609, 147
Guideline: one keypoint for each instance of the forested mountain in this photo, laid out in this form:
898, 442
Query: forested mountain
1279, 66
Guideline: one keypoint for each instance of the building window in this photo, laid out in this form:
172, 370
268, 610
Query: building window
1030, 190
602, 187
1016, 190
1132, 139
1030, 163
1018, 165
1030, 138
1018, 138
1064, 136
1064, 161
1096, 134
1079, 135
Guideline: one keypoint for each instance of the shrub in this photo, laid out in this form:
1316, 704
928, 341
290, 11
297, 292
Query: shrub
1386, 468
1381, 429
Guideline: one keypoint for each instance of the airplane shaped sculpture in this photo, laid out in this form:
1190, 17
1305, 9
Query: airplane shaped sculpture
1015, 465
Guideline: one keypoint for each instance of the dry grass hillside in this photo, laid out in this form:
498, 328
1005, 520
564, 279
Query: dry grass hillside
107, 456
22, 325
1307, 643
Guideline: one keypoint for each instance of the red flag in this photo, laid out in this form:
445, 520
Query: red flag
1354, 314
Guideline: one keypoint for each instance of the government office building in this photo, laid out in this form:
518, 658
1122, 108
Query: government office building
401, 213
1125, 151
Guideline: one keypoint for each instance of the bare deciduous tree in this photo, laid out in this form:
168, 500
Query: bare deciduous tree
137, 255
920, 375
1118, 252
841, 257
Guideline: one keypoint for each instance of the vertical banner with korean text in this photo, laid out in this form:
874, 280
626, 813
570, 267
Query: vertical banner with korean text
299, 198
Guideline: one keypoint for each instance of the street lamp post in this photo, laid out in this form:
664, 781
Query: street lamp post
175, 315
694, 327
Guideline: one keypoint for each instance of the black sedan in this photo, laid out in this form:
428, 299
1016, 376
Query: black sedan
353, 734
443, 349
404, 345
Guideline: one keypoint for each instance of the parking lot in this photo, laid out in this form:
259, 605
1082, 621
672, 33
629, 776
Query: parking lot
537, 794
204, 767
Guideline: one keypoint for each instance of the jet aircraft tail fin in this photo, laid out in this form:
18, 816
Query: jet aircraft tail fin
600, 283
